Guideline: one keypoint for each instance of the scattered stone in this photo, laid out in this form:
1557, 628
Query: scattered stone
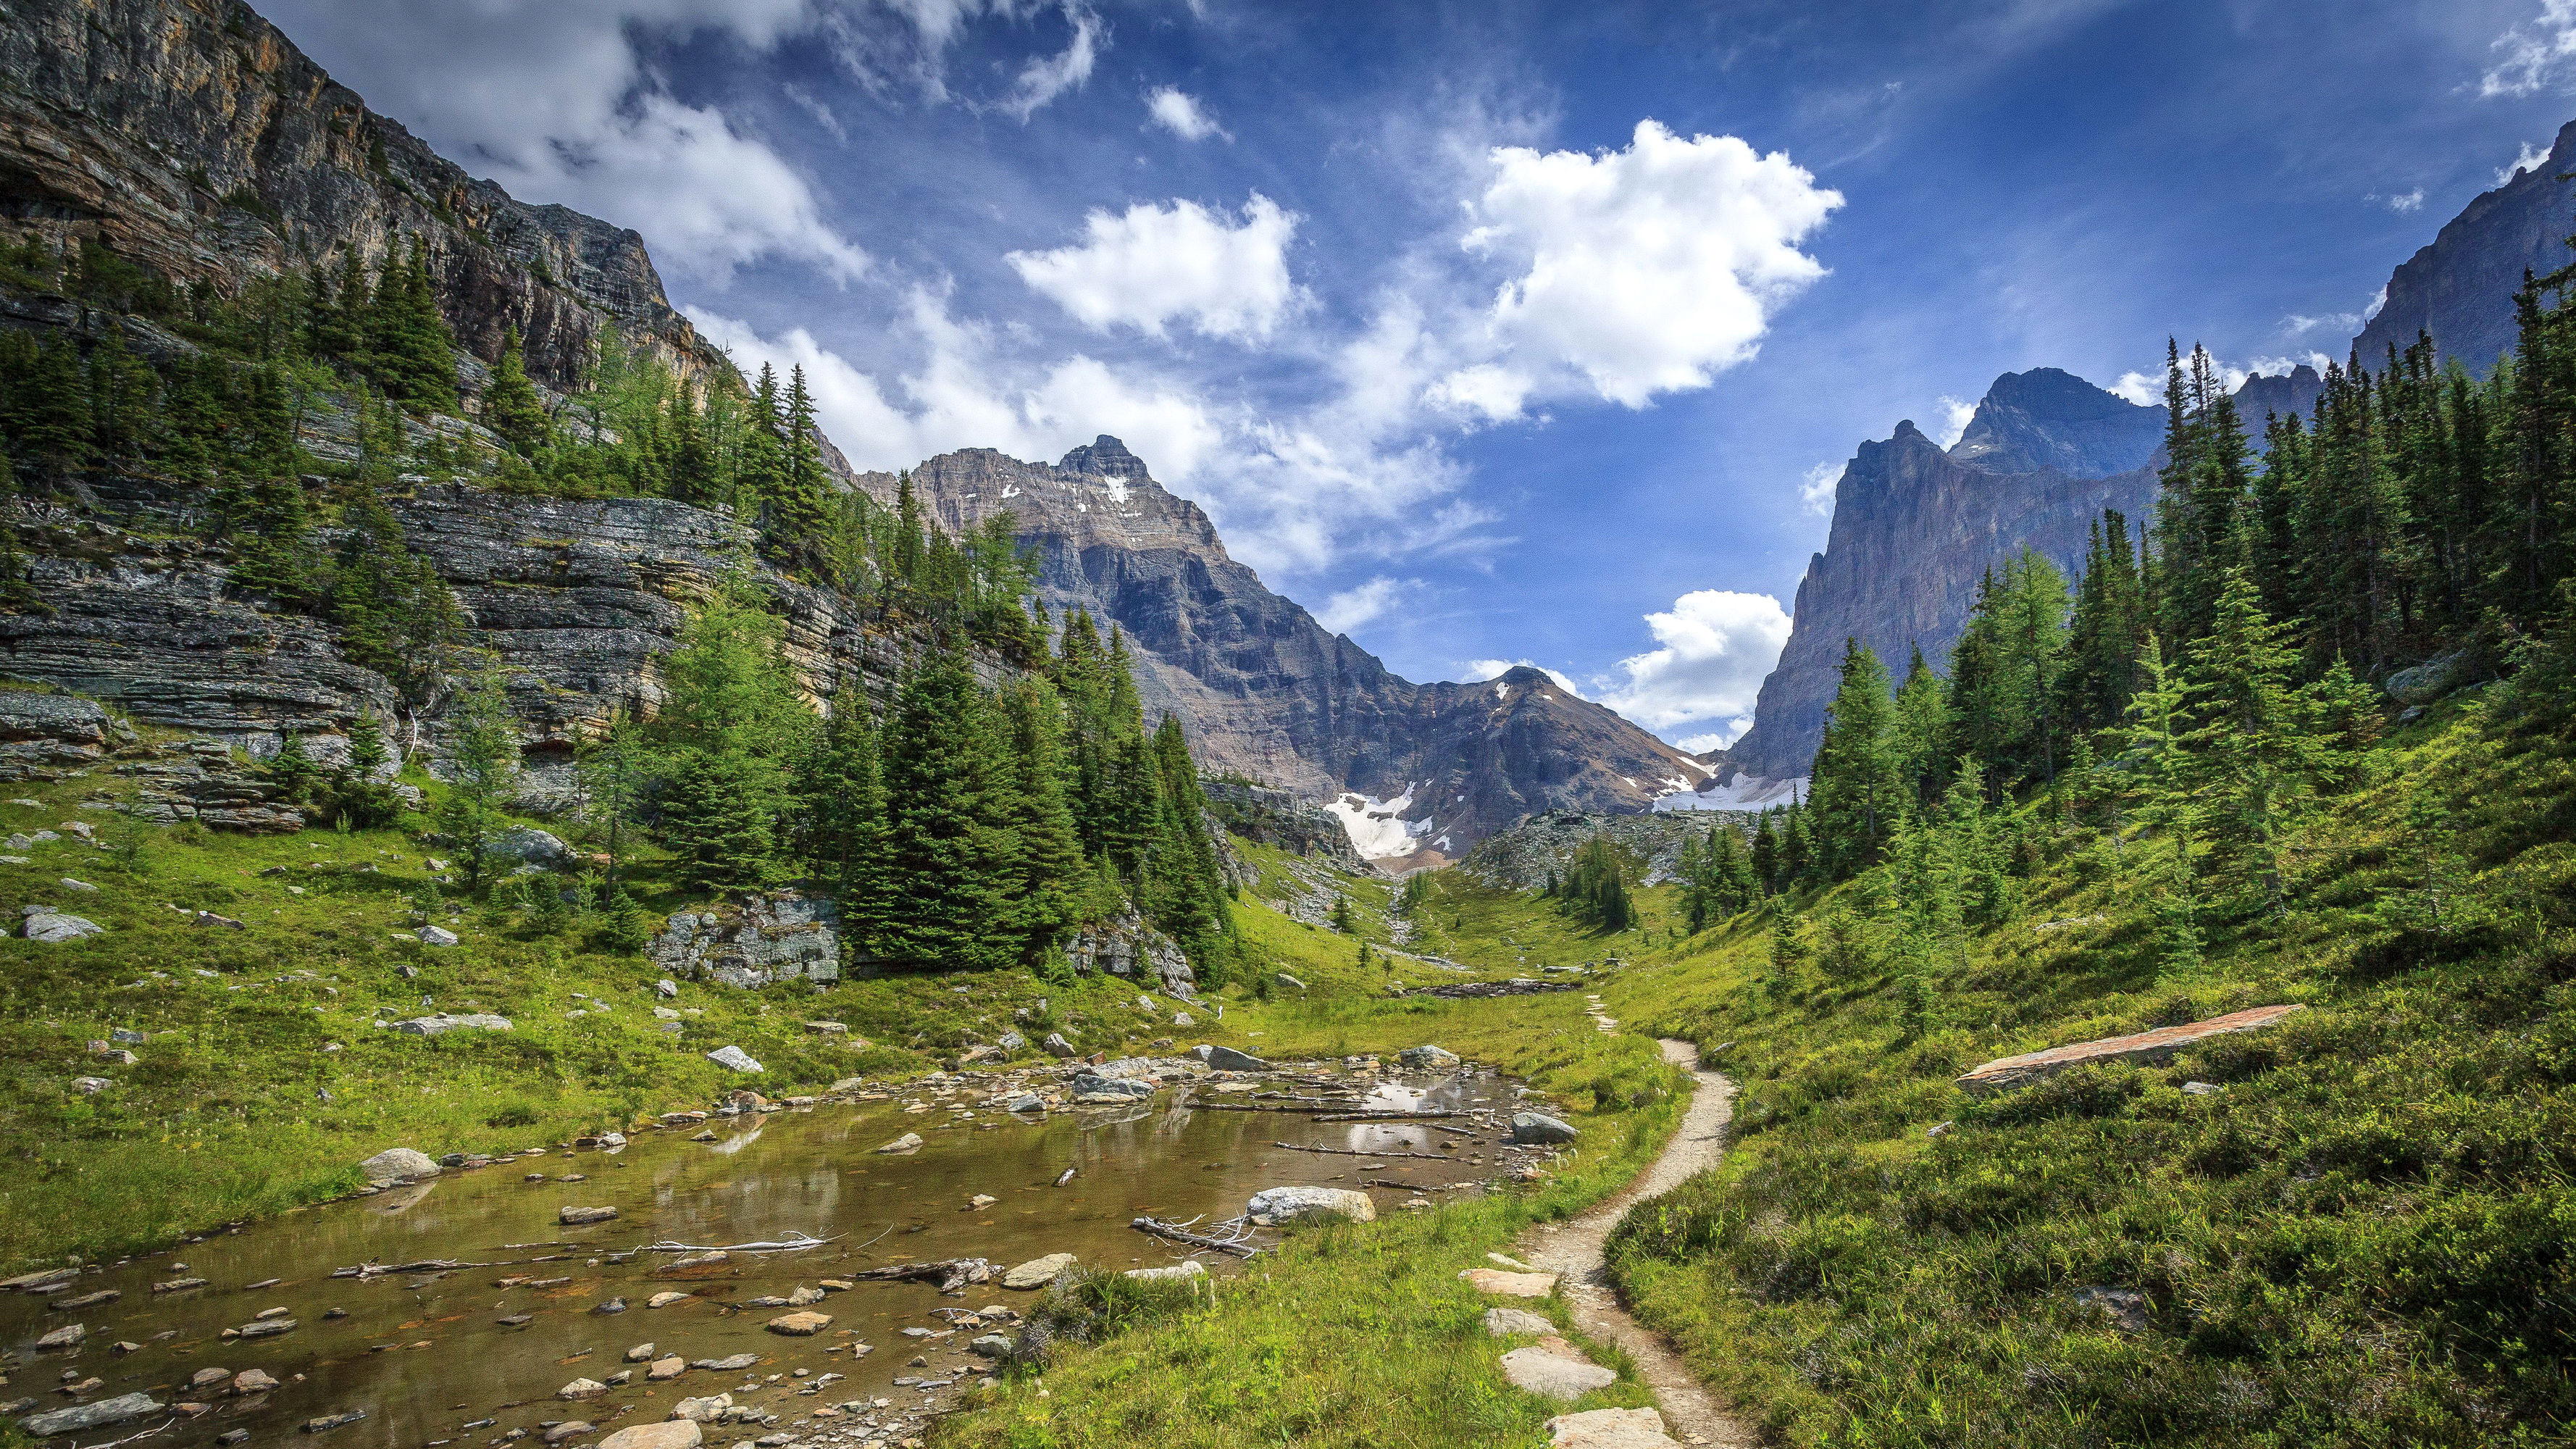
1227, 1059
804, 1295
1505, 1322
1093, 1089
662, 1370
267, 1328
728, 1363
1056, 1045
639, 1353
666, 988
1510, 1285
82, 1417
91, 1086
799, 1325
664, 1300
70, 884
1010, 1041
443, 1023
323, 1422
436, 936
67, 1336
1609, 1429
1542, 1370
1037, 1272
576, 1215
207, 1378
706, 1410
827, 1028
253, 1381
1273, 1206
2148, 1048
1538, 1127
908, 1142
582, 1389
1940, 1129
1291, 982
613, 1305
670, 1434
569, 1429
47, 924
400, 1163
1175, 1273
735, 1059
1426, 1058
1027, 1102
990, 1345
2202, 1089
86, 1300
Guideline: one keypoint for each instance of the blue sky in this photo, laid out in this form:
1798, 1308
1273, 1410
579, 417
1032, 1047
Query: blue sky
1490, 332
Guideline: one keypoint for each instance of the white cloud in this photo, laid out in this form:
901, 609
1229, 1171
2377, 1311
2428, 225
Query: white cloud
1180, 113
1046, 77
1480, 670
2404, 201
2534, 53
1354, 607
2530, 158
550, 99
1816, 490
1158, 263
1956, 413
1648, 269
1702, 744
2147, 389
2299, 323
1717, 645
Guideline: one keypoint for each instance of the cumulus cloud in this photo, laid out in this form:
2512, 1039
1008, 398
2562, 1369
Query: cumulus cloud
1816, 490
1353, 607
2534, 53
2403, 201
1648, 269
1716, 647
1154, 264
2530, 158
890, 43
2147, 389
1046, 77
549, 98
1181, 114
1956, 413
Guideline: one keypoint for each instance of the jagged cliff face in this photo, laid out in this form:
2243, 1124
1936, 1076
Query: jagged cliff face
1267, 692
2461, 287
193, 136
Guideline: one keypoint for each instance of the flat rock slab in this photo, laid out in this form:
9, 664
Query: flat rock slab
1559, 1375
2150, 1048
1511, 1285
80, 1417
1037, 1272
573, 1216
1610, 1429
670, 1434
1273, 1206
800, 1325
1505, 1322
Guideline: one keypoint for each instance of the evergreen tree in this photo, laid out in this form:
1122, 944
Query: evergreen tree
482, 772
2254, 757
1858, 795
1766, 855
1920, 733
410, 352
510, 405
945, 870
1048, 874
733, 729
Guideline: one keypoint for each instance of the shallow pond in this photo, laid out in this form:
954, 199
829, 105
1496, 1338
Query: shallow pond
430, 1357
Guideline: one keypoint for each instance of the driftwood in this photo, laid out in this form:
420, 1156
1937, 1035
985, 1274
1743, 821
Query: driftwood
1388, 1116
1307, 1110
951, 1274
1346, 1152
426, 1265
1174, 1232
793, 1243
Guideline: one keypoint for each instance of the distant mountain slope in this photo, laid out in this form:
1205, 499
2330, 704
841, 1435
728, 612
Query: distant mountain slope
192, 135
2460, 287
1266, 691
1915, 527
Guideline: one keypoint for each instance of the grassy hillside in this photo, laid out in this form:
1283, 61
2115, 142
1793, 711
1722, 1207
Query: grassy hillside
2361, 1238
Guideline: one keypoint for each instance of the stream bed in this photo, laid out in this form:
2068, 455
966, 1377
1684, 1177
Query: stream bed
462, 1357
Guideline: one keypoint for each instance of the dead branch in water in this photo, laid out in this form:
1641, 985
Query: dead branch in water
1174, 1232
951, 1274
792, 1243
1346, 1152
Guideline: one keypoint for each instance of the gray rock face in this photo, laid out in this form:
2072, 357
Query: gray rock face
2460, 287
1129, 947
754, 942
1523, 857
38, 731
1266, 691
1279, 819
1227, 1059
528, 845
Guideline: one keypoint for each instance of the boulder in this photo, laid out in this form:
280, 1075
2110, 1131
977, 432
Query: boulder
669, 1434
574, 1216
1175, 1273
990, 1345
80, 1418
1027, 1102
908, 1142
2429, 680
67, 1336
1426, 1058
1058, 1046
1284, 979
1610, 1429
559, 1433
703, 1411
1510, 1285
1037, 1272
734, 1058
582, 1389
435, 936
1227, 1059
46, 924
663, 1369
1505, 1322
1273, 1206
400, 1163
800, 1325
1538, 1127
1093, 1089
1542, 1369
442, 1023
666, 1299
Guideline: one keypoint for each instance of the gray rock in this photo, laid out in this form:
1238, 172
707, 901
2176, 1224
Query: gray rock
1273, 1206
1057, 1045
575, 1216
1506, 1322
2429, 680
443, 1023
734, 1058
666, 988
1037, 1272
1173, 1274
527, 845
1028, 1102
1542, 1371
990, 1345
80, 1418
1093, 1089
54, 926
908, 1142
123, 1036
2202, 1089
1291, 982
765, 938
402, 1163
1426, 1059
1184, 1019
1227, 1059
91, 1086
436, 936
1538, 1127
70, 884
1011, 1041
2125, 1307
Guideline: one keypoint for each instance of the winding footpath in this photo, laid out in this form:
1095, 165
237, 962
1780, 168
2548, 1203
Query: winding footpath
1573, 1250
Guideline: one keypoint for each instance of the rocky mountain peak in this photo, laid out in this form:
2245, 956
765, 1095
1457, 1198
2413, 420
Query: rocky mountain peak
2046, 418
2460, 287
1107, 457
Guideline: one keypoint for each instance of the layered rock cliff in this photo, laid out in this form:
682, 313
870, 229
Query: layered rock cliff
2460, 287
1267, 692
192, 136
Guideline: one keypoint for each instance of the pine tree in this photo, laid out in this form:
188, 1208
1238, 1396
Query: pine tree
945, 873
792, 514
510, 405
733, 728
482, 772
1920, 735
1048, 873
2254, 756
1858, 794
410, 352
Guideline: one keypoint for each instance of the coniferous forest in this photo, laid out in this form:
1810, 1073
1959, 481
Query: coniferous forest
1007, 791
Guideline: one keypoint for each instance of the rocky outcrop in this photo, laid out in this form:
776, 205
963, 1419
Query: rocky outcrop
753, 941
1915, 527
1523, 857
2460, 286
192, 136
41, 734
1128, 947
1269, 694
1281, 821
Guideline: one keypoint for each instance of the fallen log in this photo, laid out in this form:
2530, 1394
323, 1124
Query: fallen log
1387, 1116
1346, 1152
1155, 1227
951, 1274
425, 1265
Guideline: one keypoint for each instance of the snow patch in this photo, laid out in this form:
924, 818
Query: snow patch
1744, 792
1377, 828
1117, 490
1010, 491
